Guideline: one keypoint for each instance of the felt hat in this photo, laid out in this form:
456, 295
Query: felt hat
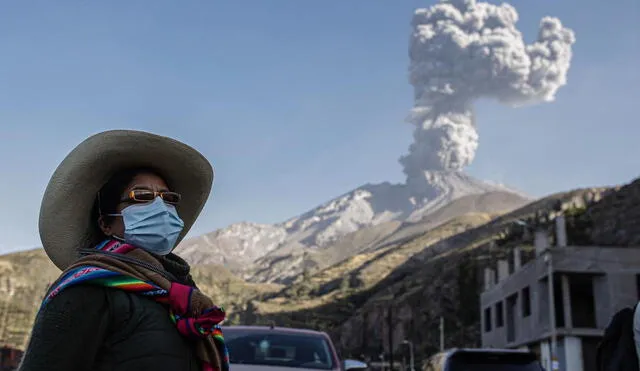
66, 223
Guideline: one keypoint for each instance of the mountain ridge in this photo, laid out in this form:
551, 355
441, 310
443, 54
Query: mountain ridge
243, 247
342, 298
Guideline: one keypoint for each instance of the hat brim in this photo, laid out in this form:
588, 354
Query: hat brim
65, 222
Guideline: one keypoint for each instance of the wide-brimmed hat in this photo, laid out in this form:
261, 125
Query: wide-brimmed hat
66, 223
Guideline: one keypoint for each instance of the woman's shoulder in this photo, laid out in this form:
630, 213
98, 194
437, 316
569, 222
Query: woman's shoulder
117, 305
78, 297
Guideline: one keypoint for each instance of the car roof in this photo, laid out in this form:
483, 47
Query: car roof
441, 358
449, 352
281, 330
490, 350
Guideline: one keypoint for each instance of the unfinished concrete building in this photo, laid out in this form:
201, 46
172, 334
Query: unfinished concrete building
589, 285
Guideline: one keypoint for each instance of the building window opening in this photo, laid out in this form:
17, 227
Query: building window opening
499, 315
487, 319
512, 309
583, 311
558, 301
526, 302
512, 264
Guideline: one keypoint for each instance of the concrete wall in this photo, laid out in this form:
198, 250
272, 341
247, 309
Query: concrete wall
596, 259
601, 292
527, 328
542, 306
622, 290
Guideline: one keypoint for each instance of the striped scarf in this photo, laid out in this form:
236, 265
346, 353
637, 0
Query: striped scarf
192, 312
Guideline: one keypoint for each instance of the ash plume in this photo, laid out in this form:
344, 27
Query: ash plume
462, 50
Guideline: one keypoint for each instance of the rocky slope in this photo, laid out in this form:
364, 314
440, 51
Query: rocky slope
24, 277
255, 251
428, 275
424, 271
615, 220
285, 264
234, 246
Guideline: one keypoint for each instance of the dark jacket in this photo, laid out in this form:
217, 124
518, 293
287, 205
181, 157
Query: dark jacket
617, 350
92, 328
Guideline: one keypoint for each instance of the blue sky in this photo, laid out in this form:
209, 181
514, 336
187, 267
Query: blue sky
294, 102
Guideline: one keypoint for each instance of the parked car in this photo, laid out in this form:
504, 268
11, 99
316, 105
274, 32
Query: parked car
483, 360
257, 348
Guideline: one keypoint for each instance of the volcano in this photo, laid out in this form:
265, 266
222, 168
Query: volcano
240, 245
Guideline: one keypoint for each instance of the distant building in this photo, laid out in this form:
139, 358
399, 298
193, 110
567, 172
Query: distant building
590, 284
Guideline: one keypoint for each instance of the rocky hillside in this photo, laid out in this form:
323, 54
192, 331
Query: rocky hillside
615, 220
425, 268
256, 250
437, 273
284, 265
362, 220
24, 277
234, 247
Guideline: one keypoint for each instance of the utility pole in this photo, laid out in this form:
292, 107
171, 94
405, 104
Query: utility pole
441, 333
541, 236
364, 344
411, 357
390, 325
552, 311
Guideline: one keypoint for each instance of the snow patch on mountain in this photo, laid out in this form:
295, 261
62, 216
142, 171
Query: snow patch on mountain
242, 244
234, 245
442, 187
373, 204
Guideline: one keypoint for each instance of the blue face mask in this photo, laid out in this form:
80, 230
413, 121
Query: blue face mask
154, 226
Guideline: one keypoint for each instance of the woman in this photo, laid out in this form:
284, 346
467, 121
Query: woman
111, 215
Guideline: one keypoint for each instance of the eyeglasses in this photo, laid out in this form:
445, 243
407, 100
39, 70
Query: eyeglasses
147, 195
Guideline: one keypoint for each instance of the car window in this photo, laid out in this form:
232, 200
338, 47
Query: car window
278, 349
480, 361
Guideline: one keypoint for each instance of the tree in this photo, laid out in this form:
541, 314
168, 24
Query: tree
250, 316
345, 284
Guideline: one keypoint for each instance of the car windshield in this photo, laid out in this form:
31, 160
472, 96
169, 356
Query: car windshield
489, 361
274, 348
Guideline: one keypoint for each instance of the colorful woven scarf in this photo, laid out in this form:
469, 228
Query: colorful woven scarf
193, 313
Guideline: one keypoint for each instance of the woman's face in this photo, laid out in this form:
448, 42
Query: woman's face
142, 181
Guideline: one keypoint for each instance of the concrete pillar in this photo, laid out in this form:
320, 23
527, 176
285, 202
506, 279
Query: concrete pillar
561, 231
545, 355
540, 241
503, 270
566, 301
517, 259
573, 353
488, 279
483, 333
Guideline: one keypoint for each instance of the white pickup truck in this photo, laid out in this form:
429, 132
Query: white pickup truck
257, 348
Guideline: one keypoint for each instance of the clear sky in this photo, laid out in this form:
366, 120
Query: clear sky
294, 102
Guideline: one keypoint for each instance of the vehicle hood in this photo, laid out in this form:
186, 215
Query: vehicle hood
243, 367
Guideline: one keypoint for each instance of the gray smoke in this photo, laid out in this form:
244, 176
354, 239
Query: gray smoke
462, 50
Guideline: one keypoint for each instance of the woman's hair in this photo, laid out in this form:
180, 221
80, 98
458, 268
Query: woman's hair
110, 194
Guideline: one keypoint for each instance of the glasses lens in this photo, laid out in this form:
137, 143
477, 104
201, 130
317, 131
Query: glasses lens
171, 197
142, 195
